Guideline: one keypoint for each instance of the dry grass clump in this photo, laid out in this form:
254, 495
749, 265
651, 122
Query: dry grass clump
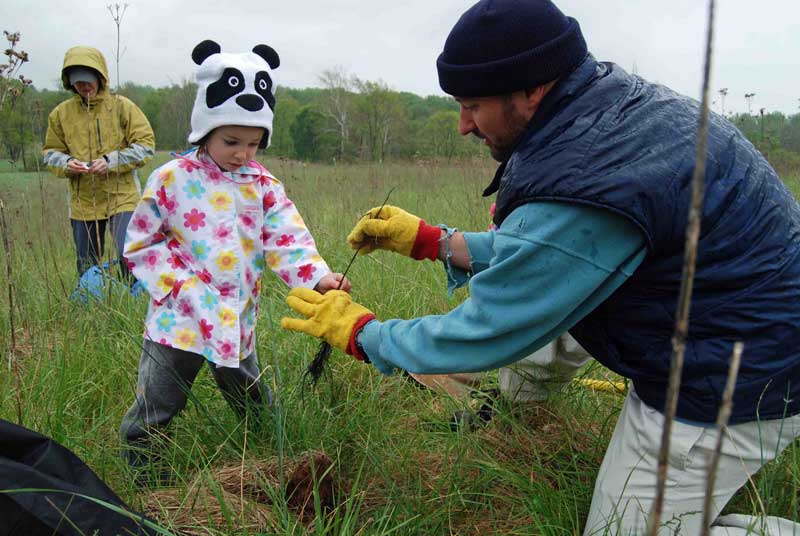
202, 510
242, 497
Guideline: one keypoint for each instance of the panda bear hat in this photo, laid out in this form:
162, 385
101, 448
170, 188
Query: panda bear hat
233, 89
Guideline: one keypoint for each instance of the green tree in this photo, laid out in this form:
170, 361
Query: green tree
174, 116
790, 134
138, 94
381, 119
16, 131
423, 107
440, 135
307, 134
45, 100
286, 111
336, 106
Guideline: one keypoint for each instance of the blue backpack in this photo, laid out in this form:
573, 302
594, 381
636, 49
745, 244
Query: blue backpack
96, 283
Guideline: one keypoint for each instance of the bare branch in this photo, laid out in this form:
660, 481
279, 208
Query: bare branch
336, 107
117, 14
13, 363
722, 426
10, 88
685, 297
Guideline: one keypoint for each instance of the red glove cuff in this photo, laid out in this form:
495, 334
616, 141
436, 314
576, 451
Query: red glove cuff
352, 347
426, 245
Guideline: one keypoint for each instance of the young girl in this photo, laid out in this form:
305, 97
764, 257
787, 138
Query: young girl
208, 223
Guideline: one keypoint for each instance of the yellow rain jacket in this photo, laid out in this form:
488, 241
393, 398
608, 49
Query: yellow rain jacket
109, 126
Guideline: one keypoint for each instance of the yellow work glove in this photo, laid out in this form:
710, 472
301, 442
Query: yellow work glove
394, 229
332, 316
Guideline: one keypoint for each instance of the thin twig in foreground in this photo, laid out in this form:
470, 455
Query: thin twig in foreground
12, 357
685, 298
722, 426
317, 366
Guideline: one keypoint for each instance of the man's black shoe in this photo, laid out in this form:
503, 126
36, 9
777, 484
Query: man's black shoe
467, 419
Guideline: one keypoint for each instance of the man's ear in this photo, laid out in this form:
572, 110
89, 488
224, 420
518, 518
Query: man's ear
535, 95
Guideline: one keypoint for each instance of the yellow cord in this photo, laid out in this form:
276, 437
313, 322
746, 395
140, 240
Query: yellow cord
602, 385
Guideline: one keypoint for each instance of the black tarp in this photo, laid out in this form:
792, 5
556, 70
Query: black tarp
29, 460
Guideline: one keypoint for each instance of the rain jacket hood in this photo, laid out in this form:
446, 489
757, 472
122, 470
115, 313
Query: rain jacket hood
83, 56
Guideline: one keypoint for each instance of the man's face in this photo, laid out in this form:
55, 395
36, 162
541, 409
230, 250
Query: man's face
87, 90
498, 121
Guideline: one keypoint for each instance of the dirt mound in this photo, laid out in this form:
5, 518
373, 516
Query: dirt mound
314, 471
242, 497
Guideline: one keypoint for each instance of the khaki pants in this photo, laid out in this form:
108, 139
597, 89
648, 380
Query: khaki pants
625, 486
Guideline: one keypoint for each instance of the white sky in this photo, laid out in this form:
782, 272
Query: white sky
757, 44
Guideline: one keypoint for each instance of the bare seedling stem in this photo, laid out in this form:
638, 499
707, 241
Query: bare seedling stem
117, 14
722, 426
317, 365
12, 358
685, 297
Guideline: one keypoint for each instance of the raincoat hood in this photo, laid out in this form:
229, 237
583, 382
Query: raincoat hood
83, 56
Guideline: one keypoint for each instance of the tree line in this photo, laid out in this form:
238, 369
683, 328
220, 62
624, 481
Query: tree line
346, 119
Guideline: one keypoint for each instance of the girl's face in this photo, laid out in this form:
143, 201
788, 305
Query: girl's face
233, 146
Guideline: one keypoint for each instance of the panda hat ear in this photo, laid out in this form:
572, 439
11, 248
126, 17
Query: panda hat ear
204, 50
269, 55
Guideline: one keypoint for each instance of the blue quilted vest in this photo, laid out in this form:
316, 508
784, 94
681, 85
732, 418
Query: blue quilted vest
608, 139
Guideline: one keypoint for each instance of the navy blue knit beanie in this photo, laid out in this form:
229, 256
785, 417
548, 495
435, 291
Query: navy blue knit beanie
501, 46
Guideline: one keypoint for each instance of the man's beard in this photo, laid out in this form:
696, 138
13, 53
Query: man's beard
504, 145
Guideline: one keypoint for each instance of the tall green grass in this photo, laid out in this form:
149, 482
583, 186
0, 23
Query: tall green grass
528, 472
792, 182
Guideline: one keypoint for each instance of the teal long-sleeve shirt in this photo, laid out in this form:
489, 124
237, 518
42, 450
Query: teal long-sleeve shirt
546, 267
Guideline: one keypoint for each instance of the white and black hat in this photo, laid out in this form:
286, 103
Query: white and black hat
233, 89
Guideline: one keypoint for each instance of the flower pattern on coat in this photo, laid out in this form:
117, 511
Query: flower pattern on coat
200, 240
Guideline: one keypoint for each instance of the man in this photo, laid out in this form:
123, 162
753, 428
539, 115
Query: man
592, 200
97, 140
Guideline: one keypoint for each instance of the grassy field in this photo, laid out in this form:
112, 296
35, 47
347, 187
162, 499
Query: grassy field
399, 468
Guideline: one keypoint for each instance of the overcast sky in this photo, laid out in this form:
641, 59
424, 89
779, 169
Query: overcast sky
757, 44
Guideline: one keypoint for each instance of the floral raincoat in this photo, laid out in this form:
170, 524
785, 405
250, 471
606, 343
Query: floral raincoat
199, 241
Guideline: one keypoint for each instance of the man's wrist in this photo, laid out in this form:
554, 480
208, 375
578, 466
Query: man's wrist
354, 347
